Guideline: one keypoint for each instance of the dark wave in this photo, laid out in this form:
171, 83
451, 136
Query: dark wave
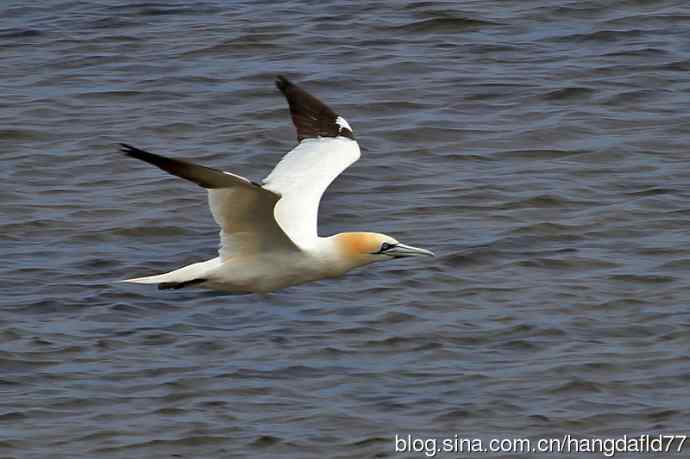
440, 25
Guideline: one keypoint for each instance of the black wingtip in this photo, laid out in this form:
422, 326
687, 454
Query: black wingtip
311, 116
283, 83
129, 150
201, 175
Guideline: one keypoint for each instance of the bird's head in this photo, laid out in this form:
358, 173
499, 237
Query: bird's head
365, 248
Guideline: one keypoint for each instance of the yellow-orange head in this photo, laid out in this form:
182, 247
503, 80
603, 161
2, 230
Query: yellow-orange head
362, 248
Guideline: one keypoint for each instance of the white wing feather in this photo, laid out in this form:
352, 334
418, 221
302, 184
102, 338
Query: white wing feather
248, 227
282, 215
242, 209
302, 177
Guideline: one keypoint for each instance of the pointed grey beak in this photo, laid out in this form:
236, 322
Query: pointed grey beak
402, 250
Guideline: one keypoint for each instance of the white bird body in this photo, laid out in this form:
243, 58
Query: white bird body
268, 235
265, 271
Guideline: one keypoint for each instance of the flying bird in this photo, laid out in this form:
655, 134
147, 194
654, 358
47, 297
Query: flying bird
268, 233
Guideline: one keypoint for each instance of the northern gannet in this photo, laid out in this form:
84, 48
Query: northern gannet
268, 230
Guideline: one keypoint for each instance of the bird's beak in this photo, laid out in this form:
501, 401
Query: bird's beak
402, 250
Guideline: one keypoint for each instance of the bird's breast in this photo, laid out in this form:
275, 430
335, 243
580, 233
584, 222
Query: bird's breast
268, 272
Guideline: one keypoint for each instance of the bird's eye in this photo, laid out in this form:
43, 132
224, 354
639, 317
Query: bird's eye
386, 246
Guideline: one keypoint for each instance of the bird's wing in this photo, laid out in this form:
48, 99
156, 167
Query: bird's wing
243, 209
326, 148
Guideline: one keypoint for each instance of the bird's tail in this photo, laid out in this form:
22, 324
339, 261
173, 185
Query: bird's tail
188, 275
157, 279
